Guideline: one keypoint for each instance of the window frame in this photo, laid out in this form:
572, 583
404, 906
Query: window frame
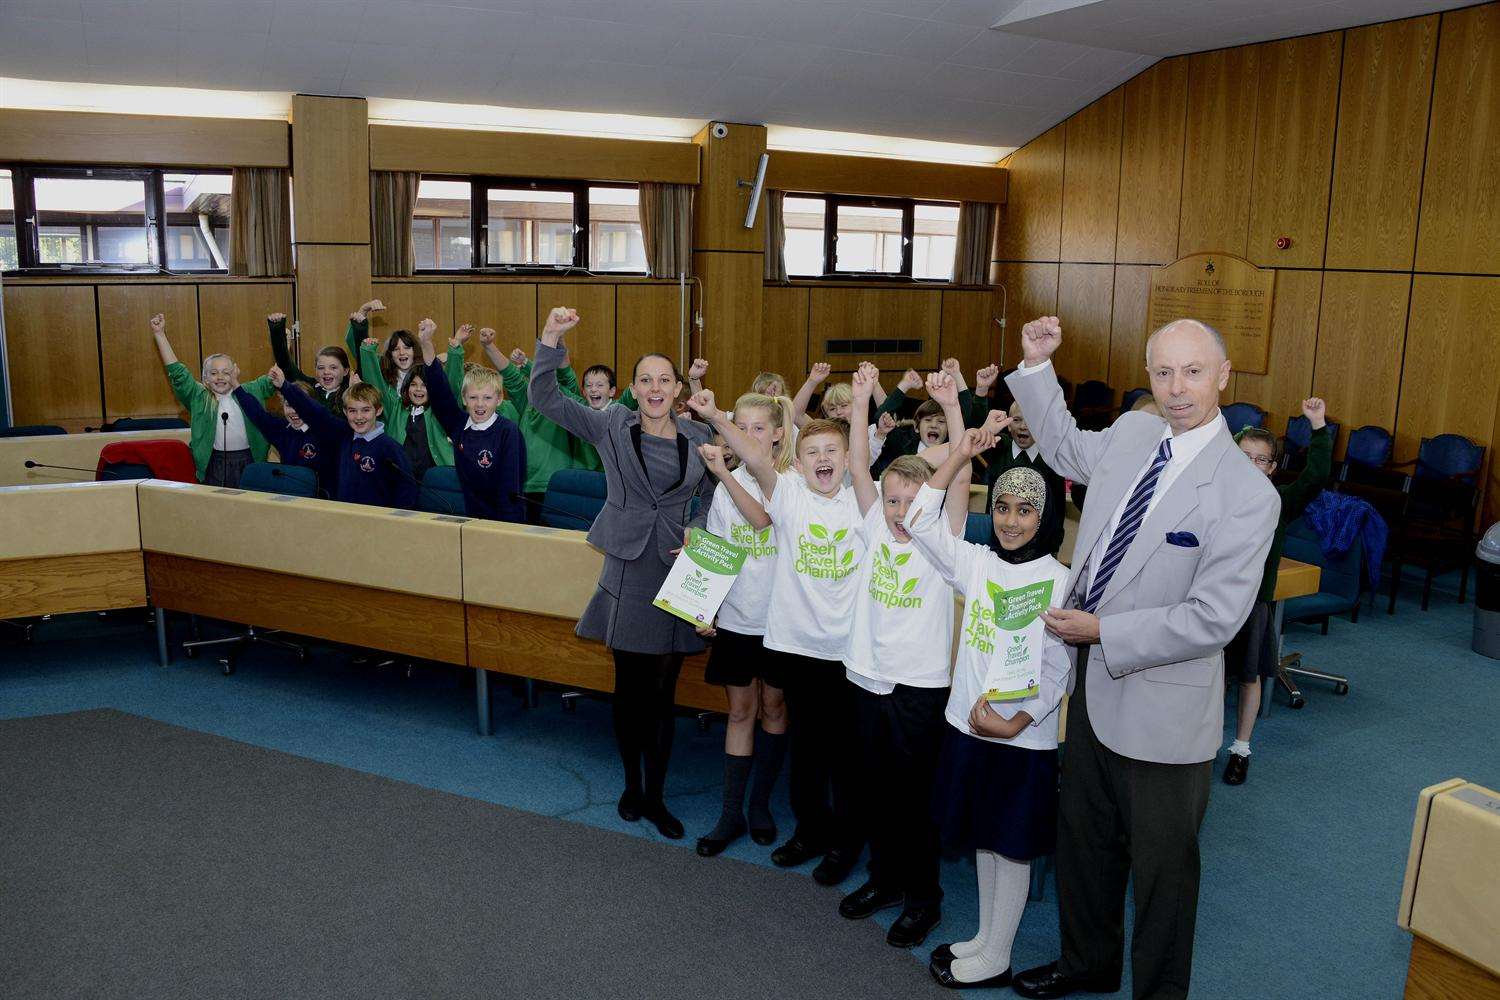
28, 231
480, 186
832, 201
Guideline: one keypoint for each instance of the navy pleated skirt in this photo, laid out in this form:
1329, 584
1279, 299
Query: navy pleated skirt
996, 797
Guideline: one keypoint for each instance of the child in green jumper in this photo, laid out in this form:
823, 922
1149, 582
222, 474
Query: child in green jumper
406, 406
222, 441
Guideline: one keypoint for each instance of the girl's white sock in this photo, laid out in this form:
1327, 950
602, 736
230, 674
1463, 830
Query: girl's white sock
1012, 883
984, 865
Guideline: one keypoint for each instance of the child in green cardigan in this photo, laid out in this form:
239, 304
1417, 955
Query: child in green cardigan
1254, 653
222, 441
406, 407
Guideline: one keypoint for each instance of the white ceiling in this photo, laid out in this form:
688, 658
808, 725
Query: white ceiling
931, 69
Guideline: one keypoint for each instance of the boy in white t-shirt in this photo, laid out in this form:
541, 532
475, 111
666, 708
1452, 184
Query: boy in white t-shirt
819, 536
897, 657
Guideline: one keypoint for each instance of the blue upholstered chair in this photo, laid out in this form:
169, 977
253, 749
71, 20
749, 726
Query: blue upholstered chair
31, 430
123, 470
1298, 437
441, 492
1093, 404
1435, 529
977, 528
274, 477
1341, 583
575, 496
1128, 401
1241, 415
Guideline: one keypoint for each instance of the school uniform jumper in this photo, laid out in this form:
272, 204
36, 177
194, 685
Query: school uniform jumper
372, 468
296, 446
490, 457
206, 427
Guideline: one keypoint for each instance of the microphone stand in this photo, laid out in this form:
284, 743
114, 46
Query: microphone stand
224, 462
587, 523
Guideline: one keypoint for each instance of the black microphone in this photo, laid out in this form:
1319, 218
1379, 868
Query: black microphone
587, 522
224, 465
447, 507
71, 468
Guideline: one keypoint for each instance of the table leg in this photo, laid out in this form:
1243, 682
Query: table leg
161, 636
1268, 684
482, 699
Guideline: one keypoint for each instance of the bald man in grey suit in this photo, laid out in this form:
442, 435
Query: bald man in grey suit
1168, 561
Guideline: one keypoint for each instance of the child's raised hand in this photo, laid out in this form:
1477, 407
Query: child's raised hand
975, 442
1316, 412
820, 372
870, 370
276, 318
702, 403
363, 313
517, 357
910, 382
234, 378
984, 379
997, 421
158, 324
560, 320
486, 336
713, 459
275, 375
863, 386
697, 369
941, 387
884, 426
952, 367
369, 342
354, 378
462, 334
425, 330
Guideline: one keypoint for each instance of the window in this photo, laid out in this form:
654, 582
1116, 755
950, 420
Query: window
440, 226
112, 218
845, 236
474, 223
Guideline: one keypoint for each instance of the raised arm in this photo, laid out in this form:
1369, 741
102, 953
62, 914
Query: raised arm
696, 371
444, 404
1073, 453
896, 399
276, 323
1314, 476
757, 458
815, 378
369, 365
269, 427
359, 329
163, 345
749, 507
865, 492
324, 424
937, 537
514, 371
546, 396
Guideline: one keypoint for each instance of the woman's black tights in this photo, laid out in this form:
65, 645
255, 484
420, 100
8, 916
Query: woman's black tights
645, 694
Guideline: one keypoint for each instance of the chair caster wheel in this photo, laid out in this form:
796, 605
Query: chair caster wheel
226, 665
1298, 701
1341, 689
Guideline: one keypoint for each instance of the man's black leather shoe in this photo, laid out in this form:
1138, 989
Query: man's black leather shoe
913, 926
867, 899
1046, 983
796, 852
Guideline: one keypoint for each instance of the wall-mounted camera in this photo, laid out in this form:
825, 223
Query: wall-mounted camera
719, 130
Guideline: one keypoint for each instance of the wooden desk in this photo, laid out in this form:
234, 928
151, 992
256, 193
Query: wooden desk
81, 451
70, 548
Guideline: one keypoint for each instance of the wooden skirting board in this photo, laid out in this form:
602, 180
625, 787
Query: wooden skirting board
58, 585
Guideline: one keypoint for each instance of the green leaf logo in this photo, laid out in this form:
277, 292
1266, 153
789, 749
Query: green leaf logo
817, 531
995, 590
885, 552
903, 559
848, 557
764, 535
909, 586
838, 536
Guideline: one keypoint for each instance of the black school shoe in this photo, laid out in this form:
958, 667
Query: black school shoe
942, 971
629, 806
869, 899
1045, 982
942, 953
1236, 769
836, 865
913, 926
709, 847
796, 851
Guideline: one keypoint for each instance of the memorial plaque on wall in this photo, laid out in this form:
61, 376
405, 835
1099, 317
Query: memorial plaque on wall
1228, 293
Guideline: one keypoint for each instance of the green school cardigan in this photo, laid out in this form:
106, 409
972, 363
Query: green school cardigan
203, 414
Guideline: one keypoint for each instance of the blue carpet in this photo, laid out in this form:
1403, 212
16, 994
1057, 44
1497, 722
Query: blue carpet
1302, 866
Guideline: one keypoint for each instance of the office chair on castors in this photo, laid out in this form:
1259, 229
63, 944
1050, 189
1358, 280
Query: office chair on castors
263, 477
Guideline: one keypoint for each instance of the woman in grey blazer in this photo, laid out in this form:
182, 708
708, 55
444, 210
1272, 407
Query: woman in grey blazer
653, 472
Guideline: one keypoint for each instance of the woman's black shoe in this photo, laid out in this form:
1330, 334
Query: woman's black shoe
630, 806
709, 846
667, 825
943, 973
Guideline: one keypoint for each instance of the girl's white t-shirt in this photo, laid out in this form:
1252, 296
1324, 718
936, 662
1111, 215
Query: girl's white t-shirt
820, 544
903, 616
744, 610
975, 572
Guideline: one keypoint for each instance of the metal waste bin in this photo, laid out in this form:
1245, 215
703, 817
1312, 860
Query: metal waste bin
1487, 594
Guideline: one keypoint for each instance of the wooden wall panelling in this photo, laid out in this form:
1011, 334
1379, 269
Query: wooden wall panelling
407, 303
592, 341
160, 140
530, 154
881, 177
509, 308
864, 313
331, 170
1382, 130
1296, 112
52, 342
1091, 180
732, 291
1361, 330
1127, 328
968, 332
1451, 377
1030, 290
134, 385
1152, 140
783, 338
720, 204
1460, 221
1030, 225
332, 281
232, 317
1221, 105
1085, 294
647, 321
1294, 341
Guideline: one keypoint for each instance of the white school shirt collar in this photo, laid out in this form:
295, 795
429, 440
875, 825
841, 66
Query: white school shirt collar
416, 411
373, 433
470, 425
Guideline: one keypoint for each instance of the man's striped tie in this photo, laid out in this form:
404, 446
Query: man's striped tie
1130, 523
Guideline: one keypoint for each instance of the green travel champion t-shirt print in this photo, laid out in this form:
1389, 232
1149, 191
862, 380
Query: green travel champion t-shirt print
819, 556
886, 585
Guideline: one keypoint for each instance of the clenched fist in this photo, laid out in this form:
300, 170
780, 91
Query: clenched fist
1040, 339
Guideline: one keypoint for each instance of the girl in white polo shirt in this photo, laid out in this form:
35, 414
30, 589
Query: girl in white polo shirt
897, 658
996, 788
752, 681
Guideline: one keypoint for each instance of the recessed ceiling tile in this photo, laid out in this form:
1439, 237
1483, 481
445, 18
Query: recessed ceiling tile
332, 19
867, 32
707, 50
134, 14
979, 13
993, 50
234, 17
778, 59
937, 41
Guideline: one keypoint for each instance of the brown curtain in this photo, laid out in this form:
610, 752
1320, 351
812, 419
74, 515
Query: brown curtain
393, 200
976, 234
775, 236
260, 230
667, 228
